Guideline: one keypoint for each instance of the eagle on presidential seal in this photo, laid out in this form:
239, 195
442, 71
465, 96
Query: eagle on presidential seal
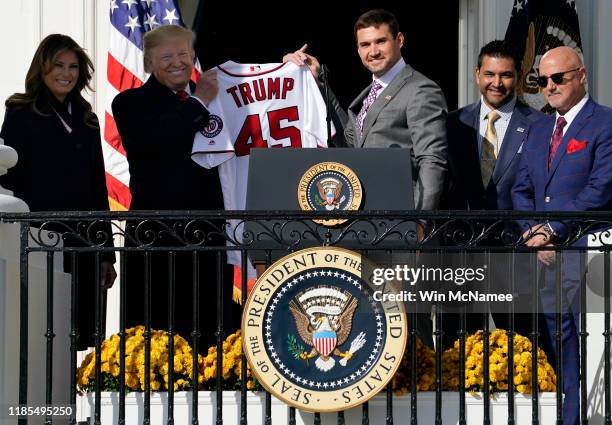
324, 317
330, 192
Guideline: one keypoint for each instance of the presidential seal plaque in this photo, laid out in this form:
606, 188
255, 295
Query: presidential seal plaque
329, 186
315, 337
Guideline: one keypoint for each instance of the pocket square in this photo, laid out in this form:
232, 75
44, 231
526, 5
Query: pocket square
574, 146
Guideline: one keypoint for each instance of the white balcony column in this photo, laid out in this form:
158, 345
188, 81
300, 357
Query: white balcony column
8, 203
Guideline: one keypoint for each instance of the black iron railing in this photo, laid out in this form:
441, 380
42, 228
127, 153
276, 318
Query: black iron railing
276, 233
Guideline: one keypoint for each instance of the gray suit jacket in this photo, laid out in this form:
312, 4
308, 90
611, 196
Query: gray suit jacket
409, 113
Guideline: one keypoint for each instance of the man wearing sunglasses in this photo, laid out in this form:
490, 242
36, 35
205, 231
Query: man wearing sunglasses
565, 166
485, 140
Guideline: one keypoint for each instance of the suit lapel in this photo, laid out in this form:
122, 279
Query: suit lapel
160, 90
539, 137
514, 137
383, 99
471, 119
355, 106
354, 109
579, 122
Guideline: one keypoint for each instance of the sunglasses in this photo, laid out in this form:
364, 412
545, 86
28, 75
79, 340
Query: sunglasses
557, 78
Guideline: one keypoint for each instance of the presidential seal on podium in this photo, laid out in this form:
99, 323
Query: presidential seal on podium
314, 335
329, 186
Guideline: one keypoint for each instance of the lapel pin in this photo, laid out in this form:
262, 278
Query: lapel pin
388, 98
520, 130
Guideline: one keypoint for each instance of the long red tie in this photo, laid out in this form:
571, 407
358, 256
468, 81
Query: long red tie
555, 141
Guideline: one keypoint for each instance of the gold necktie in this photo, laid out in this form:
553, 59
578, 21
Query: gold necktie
489, 149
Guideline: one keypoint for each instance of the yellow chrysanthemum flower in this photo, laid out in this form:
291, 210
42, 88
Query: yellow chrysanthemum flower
498, 364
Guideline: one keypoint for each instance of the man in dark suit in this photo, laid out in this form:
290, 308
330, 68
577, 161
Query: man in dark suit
474, 185
485, 140
566, 166
157, 123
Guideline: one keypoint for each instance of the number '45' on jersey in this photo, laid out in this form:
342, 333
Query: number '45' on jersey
258, 106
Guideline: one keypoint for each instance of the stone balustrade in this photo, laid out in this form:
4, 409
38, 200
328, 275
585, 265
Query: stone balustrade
8, 203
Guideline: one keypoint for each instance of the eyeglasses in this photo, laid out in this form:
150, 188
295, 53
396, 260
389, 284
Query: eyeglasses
557, 78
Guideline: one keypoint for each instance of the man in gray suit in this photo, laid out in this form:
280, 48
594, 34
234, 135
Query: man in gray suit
401, 108
485, 140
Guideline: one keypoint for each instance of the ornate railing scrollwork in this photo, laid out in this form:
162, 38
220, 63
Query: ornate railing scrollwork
288, 230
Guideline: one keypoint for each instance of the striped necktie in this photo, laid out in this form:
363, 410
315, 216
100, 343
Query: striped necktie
489, 153
556, 138
368, 101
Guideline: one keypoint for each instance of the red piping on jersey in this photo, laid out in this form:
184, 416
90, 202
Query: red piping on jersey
252, 75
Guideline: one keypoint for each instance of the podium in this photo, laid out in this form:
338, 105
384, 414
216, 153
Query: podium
386, 179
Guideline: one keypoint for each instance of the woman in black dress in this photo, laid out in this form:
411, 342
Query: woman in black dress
60, 168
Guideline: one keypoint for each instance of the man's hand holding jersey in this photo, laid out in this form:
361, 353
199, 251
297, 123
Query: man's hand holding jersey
207, 87
300, 58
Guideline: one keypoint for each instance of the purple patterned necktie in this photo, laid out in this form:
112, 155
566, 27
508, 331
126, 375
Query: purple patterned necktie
555, 141
371, 97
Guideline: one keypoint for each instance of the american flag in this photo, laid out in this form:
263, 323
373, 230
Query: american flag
535, 27
130, 20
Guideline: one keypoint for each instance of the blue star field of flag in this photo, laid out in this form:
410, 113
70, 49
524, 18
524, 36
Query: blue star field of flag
560, 14
133, 18
535, 27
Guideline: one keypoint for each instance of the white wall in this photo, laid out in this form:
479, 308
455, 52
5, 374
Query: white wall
27, 22
599, 47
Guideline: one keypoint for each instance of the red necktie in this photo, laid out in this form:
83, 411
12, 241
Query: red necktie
182, 94
555, 141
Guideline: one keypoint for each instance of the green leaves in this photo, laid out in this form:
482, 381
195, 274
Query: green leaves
295, 348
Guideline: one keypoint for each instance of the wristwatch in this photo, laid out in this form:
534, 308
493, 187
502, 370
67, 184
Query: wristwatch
550, 232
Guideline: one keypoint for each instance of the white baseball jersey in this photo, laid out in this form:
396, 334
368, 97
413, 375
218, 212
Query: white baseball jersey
268, 105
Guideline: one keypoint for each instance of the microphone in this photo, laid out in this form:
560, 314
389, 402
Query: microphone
324, 78
323, 73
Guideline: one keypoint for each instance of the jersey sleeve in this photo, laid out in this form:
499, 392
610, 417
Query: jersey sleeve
213, 145
315, 124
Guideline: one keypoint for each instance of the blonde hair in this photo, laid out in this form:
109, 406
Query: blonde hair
160, 34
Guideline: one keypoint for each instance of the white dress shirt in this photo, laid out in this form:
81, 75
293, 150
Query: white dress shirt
388, 76
501, 125
571, 114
